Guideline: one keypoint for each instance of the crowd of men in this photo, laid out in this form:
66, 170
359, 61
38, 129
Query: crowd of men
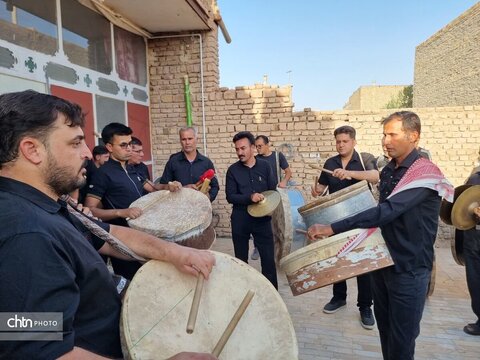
50, 261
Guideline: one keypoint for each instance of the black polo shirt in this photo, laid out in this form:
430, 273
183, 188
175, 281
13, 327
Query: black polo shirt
91, 168
243, 181
142, 170
179, 168
272, 160
116, 187
408, 220
46, 265
335, 162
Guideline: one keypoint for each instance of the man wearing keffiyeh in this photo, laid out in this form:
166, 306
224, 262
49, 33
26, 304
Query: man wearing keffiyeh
411, 189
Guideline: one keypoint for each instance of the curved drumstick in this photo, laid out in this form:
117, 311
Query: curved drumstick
233, 323
192, 318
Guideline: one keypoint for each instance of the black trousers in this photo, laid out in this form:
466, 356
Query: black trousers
471, 254
399, 299
261, 229
364, 285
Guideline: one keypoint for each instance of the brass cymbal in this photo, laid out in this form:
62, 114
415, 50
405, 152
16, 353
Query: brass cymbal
462, 211
446, 207
267, 206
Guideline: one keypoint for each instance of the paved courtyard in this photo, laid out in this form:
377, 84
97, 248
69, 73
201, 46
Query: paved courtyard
340, 335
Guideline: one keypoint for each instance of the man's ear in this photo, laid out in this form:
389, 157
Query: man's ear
413, 136
109, 147
32, 149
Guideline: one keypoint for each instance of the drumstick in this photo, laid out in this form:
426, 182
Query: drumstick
313, 166
192, 318
301, 231
233, 323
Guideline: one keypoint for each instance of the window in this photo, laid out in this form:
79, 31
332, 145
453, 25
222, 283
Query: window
86, 37
130, 56
30, 24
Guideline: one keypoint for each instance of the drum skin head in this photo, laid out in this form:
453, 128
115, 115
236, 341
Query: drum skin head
157, 304
173, 216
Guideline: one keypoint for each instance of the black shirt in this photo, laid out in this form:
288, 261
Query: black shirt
46, 265
142, 170
272, 160
116, 187
408, 220
91, 168
335, 162
243, 181
179, 168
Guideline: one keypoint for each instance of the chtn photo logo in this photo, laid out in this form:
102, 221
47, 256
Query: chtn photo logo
17, 322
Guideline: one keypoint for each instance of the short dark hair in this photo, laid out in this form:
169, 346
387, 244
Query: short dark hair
99, 150
29, 113
263, 137
113, 129
136, 141
244, 135
410, 120
346, 129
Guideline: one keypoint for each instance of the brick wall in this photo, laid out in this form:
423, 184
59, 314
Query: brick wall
373, 97
446, 65
452, 134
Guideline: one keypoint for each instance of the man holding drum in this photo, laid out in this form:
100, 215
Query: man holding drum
49, 261
187, 166
348, 168
245, 181
408, 217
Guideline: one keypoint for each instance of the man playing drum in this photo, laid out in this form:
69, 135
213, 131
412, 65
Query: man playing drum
471, 249
245, 181
48, 264
278, 162
410, 195
188, 165
348, 168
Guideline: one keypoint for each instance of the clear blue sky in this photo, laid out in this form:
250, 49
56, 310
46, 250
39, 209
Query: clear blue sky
331, 47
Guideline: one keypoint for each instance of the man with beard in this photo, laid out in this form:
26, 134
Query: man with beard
188, 165
411, 189
46, 262
246, 180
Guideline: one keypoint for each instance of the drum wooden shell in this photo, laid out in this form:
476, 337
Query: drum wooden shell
317, 265
183, 217
339, 205
285, 220
157, 305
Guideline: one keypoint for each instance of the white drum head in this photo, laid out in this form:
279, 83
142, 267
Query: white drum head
158, 301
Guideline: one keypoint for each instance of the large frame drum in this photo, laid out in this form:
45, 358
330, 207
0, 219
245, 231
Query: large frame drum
339, 205
183, 217
285, 220
157, 304
317, 265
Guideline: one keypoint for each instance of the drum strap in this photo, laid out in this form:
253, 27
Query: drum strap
277, 164
364, 169
101, 233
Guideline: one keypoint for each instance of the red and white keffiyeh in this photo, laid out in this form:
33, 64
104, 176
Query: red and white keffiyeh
422, 173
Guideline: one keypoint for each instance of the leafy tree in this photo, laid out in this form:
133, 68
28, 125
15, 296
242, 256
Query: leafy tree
404, 99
